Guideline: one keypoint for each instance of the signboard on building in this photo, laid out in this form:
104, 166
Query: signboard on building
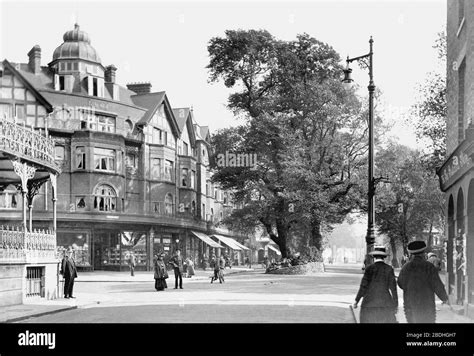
454, 168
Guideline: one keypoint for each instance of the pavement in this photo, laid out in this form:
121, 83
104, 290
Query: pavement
247, 288
36, 307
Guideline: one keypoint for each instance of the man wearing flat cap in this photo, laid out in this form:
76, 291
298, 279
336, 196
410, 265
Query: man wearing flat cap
420, 281
378, 289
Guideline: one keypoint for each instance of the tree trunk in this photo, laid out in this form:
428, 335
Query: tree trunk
316, 237
393, 245
430, 235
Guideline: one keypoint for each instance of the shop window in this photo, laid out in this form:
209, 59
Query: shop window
105, 198
133, 242
79, 242
104, 159
169, 204
80, 158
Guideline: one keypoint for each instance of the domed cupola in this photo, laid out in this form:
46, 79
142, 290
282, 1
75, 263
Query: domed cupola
77, 45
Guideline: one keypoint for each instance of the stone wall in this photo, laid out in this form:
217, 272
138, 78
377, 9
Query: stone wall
306, 269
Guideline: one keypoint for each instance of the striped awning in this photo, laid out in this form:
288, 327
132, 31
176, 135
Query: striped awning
228, 241
241, 246
206, 239
273, 248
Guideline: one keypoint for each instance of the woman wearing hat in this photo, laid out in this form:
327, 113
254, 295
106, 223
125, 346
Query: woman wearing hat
160, 273
378, 290
420, 281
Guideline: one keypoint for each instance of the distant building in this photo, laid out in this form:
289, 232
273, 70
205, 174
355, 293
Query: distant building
457, 173
135, 170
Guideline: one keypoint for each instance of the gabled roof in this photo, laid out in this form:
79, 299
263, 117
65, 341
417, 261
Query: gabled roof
152, 102
205, 133
181, 115
202, 133
28, 84
185, 116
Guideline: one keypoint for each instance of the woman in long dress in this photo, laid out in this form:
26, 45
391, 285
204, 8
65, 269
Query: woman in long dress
160, 274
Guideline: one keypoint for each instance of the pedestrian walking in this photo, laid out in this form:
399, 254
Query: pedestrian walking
190, 268
132, 260
378, 289
177, 262
420, 281
459, 273
433, 258
215, 267
221, 269
69, 273
161, 274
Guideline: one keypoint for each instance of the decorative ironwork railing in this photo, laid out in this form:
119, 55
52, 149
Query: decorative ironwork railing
20, 246
26, 143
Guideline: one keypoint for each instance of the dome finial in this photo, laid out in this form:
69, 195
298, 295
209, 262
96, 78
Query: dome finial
76, 26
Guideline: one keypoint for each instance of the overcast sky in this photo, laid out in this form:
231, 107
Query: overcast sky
166, 42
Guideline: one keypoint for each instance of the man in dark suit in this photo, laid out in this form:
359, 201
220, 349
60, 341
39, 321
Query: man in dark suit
177, 263
420, 281
69, 272
378, 289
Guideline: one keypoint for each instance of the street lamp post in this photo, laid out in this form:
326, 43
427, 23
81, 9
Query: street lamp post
366, 60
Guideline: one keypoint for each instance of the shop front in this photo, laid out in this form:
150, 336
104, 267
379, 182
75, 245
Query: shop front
80, 242
112, 249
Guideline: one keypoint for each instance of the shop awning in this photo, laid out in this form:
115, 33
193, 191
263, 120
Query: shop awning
206, 239
228, 241
273, 248
241, 246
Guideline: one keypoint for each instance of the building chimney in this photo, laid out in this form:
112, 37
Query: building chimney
110, 73
34, 62
140, 88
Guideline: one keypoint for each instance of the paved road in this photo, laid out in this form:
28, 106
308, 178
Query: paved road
249, 297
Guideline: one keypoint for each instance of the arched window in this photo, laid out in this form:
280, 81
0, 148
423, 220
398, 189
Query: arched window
169, 204
105, 198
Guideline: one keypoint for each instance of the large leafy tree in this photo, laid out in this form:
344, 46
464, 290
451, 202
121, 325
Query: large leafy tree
409, 206
306, 129
428, 114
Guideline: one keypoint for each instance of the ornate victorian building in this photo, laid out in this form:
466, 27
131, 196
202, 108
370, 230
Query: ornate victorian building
135, 171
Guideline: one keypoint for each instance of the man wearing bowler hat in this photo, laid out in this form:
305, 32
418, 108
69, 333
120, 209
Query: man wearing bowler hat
378, 289
420, 281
